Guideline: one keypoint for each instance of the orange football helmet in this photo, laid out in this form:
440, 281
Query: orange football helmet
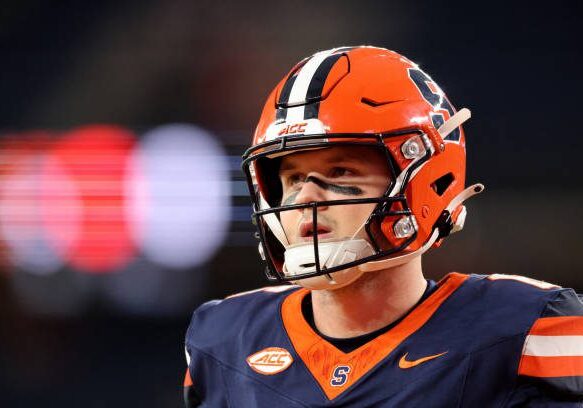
360, 96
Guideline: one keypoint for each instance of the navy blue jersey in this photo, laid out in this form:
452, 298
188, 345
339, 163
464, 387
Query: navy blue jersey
476, 341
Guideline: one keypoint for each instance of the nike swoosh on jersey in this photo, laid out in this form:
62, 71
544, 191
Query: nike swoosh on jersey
404, 363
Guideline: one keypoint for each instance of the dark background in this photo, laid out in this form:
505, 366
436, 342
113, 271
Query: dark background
515, 64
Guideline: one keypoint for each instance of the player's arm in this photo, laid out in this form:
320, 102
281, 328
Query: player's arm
551, 365
203, 378
191, 397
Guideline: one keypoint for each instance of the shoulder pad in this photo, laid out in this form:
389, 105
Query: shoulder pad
523, 279
218, 322
553, 349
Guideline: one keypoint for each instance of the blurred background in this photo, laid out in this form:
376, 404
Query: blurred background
122, 203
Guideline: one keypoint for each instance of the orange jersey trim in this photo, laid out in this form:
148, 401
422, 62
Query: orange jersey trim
187, 379
321, 357
558, 326
536, 366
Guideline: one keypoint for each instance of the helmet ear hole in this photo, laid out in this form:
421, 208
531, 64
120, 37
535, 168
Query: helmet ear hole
442, 183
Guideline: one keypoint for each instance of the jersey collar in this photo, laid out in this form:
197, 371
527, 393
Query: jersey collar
322, 358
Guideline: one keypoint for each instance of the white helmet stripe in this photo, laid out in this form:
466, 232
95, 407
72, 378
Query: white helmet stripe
306, 84
301, 84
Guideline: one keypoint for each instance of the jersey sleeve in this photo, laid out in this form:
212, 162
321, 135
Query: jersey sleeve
203, 377
214, 346
191, 396
552, 355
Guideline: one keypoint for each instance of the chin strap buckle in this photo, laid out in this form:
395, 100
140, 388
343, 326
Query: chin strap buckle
445, 223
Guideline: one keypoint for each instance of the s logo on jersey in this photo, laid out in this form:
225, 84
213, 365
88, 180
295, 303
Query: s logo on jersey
340, 375
271, 360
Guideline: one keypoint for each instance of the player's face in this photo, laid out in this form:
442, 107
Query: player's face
336, 173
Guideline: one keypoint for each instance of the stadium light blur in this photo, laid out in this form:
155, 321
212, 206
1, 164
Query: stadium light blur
99, 213
179, 195
85, 199
21, 206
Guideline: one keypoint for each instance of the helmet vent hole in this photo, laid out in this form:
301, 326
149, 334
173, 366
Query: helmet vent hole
374, 104
370, 102
442, 183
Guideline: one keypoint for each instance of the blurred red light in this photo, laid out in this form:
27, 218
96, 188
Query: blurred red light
84, 197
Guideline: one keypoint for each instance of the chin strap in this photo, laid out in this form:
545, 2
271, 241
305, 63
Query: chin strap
435, 235
273, 222
300, 258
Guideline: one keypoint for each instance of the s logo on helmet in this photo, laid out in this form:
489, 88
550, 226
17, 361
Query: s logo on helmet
433, 94
340, 375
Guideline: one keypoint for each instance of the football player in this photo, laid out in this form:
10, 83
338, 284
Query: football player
357, 168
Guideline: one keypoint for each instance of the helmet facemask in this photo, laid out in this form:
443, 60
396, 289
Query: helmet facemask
333, 258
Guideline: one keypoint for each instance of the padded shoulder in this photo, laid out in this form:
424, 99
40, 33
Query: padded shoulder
516, 290
219, 322
518, 281
552, 356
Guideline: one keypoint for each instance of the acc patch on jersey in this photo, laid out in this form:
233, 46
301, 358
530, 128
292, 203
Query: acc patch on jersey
271, 360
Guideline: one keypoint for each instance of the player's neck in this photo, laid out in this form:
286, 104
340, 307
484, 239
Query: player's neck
375, 300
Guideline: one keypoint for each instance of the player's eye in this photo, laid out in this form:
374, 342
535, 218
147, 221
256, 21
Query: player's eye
294, 179
336, 172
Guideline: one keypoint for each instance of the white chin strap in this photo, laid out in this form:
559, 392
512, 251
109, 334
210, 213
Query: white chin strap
300, 259
273, 222
330, 254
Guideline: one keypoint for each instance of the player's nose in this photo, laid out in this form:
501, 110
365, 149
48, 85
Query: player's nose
311, 192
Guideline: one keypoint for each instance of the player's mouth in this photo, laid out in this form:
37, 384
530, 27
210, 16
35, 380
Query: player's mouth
306, 231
